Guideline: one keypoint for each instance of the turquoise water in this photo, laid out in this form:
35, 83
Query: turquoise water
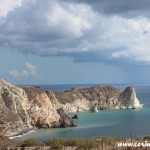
105, 123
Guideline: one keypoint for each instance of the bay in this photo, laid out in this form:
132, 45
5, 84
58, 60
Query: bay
118, 123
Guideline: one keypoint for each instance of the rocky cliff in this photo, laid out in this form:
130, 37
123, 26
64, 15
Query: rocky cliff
27, 107
13, 109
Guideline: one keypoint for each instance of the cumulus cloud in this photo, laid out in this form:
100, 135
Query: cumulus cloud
85, 30
29, 70
46, 28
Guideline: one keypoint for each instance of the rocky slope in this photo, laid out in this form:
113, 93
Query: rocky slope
28, 107
97, 98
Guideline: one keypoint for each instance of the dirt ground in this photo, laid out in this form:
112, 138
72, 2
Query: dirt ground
5, 142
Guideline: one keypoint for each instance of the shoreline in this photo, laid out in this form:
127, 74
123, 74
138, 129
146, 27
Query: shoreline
29, 131
23, 132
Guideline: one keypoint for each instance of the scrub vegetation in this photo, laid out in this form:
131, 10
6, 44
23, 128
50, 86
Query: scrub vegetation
99, 143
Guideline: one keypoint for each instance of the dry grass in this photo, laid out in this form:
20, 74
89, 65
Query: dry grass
100, 143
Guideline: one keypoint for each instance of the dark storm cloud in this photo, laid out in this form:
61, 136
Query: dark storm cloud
126, 8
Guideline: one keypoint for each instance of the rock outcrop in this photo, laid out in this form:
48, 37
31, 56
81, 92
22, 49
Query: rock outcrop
28, 107
65, 121
75, 116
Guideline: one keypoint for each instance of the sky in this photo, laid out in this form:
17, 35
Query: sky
75, 41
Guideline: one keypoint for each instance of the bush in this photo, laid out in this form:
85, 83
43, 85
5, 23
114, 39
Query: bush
72, 142
87, 144
30, 143
55, 143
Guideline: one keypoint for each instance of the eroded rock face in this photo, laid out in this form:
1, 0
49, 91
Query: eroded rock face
41, 111
13, 108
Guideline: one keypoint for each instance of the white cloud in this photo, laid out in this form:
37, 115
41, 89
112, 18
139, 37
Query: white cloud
8, 5
17, 74
30, 70
67, 20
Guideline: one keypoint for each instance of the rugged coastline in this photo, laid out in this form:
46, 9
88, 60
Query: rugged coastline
29, 107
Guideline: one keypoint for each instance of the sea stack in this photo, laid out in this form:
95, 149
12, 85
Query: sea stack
129, 100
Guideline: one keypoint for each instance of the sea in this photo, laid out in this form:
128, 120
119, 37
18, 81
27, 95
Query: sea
116, 123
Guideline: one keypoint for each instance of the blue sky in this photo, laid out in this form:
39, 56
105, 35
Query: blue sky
82, 41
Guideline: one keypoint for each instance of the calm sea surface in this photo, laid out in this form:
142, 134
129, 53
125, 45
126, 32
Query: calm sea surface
104, 123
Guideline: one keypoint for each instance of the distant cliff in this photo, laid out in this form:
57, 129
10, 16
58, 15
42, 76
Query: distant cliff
98, 98
27, 107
